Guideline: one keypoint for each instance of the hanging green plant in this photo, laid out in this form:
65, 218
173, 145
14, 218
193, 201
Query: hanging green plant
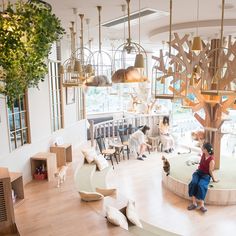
27, 32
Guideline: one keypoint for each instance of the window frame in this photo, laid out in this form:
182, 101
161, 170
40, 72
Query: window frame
22, 120
55, 95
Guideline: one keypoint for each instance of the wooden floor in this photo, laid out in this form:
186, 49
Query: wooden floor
48, 210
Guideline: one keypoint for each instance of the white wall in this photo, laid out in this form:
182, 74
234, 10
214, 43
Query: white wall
40, 128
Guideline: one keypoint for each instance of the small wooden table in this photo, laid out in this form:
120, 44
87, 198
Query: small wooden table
63, 153
44, 158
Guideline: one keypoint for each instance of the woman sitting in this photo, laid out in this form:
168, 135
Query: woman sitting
197, 188
166, 139
137, 141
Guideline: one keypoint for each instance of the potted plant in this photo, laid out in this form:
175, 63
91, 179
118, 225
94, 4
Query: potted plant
27, 31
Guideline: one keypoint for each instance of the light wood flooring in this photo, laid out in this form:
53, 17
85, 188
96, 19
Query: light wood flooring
48, 210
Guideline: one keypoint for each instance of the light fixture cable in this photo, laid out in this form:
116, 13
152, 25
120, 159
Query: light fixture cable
82, 37
123, 8
128, 9
197, 17
99, 21
139, 25
170, 28
222, 23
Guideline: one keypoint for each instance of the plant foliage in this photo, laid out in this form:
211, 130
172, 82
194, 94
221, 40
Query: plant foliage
27, 32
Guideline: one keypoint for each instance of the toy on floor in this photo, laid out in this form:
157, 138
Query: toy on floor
61, 175
166, 165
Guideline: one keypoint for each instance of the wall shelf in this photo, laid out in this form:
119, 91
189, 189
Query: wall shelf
17, 186
48, 160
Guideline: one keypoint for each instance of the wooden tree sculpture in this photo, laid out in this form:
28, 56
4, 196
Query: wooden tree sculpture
210, 78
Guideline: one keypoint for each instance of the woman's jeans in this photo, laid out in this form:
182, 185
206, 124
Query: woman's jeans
199, 185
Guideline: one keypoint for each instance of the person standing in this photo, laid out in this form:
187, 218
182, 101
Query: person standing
198, 186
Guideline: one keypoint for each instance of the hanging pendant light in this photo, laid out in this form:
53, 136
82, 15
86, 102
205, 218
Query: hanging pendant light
75, 70
68, 70
100, 62
197, 45
170, 70
197, 42
216, 82
165, 81
130, 51
139, 60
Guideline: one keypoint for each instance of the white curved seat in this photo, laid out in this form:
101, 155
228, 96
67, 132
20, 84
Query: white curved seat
99, 179
83, 177
87, 178
150, 230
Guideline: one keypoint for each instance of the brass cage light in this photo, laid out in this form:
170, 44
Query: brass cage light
219, 74
101, 63
130, 59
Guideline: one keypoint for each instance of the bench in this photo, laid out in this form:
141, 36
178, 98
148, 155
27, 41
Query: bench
150, 230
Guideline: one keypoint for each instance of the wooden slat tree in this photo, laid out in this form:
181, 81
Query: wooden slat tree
216, 100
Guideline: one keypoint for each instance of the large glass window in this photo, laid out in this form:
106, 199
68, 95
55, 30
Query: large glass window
55, 95
18, 123
108, 99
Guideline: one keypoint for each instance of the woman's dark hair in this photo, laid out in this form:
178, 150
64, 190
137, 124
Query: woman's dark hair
165, 120
145, 128
208, 147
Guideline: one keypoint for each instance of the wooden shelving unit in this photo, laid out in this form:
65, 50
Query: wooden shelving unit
48, 160
63, 153
7, 217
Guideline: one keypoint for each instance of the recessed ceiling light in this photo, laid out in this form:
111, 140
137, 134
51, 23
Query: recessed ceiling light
228, 6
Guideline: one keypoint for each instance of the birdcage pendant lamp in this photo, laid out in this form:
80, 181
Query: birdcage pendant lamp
219, 73
130, 58
167, 84
75, 70
101, 63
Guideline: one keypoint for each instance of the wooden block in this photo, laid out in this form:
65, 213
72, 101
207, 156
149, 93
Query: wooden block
63, 153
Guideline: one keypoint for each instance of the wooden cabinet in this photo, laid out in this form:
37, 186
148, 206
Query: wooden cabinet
7, 217
63, 152
46, 159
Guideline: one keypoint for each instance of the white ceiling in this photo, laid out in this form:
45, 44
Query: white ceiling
153, 30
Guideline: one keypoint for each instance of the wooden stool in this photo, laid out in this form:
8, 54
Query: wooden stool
153, 141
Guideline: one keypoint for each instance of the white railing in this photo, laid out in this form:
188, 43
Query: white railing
109, 128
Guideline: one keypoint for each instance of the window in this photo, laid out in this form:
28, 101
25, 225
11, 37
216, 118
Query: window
55, 95
109, 99
81, 110
18, 123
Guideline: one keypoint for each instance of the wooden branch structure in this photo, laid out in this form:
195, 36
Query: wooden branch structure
210, 76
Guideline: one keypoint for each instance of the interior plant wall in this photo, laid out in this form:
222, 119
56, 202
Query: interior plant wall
27, 31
